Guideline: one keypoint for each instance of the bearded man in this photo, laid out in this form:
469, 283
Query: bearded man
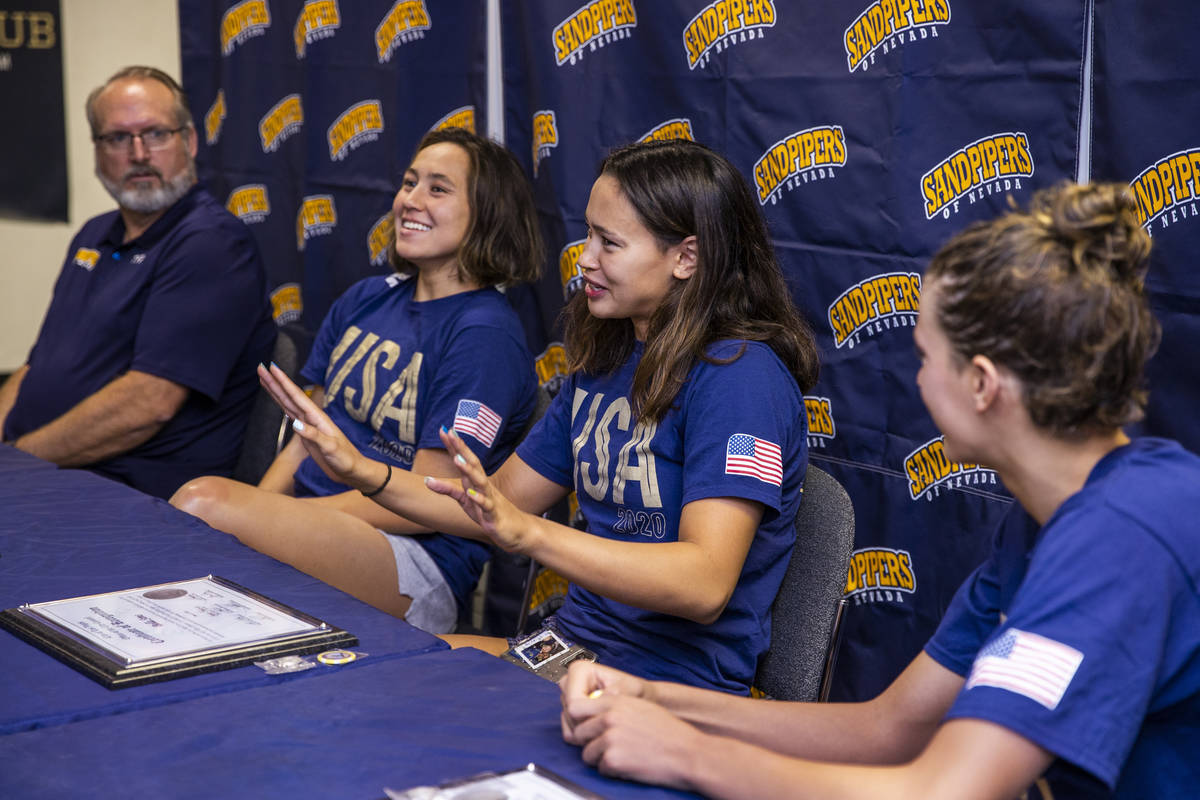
143, 370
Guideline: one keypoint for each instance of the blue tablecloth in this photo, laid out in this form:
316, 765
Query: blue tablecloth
66, 533
397, 723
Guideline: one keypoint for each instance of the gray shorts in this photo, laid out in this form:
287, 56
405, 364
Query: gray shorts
433, 606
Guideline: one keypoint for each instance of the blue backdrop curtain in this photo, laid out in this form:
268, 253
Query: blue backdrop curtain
1147, 132
308, 112
871, 131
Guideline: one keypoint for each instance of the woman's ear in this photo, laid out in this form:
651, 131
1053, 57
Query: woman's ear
685, 258
986, 382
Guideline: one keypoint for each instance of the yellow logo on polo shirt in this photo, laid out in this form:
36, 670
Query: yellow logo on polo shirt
286, 305
545, 136
874, 305
880, 574
808, 155
671, 129
319, 19
358, 124
463, 117
285, 118
724, 23
379, 238
244, 21
1168, 189
87, 258
406, 22
214, 118
887, 24
249, 203
986, 166
551, 367
568, 267
929, 471
819, 411
592, 25
317, 217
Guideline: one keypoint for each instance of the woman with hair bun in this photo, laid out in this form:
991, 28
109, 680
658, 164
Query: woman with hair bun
1071, 658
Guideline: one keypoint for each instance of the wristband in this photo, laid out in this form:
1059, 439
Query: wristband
382, 486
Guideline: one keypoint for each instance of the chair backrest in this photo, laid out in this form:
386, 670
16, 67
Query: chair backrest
807, 609
265, 432
540, 406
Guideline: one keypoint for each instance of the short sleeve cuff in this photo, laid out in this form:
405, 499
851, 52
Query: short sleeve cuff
767, 494
206, 385
528, 454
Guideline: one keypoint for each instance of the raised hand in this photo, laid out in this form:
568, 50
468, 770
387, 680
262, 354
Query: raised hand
327, 445
506, 525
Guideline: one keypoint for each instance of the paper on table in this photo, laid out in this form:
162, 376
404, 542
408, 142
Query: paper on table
169, 620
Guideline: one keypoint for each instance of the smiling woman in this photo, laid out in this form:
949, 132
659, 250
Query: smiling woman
626, 270
431, 210
397, 358
457, 178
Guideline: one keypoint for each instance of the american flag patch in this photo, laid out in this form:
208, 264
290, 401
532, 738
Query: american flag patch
758, 458
478, 420
1028, 664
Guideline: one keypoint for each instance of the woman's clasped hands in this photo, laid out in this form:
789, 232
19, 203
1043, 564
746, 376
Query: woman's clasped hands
622, 731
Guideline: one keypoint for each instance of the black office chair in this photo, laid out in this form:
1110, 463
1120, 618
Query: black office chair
266, 430
807, 614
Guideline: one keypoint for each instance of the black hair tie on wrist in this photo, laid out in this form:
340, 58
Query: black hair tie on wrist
382, 486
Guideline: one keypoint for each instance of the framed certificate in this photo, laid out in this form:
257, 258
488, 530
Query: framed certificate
157, 633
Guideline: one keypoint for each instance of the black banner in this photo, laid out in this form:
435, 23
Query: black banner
33, 183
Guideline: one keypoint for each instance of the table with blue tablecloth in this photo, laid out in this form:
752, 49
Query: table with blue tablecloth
407, 712
396, 723
67, 533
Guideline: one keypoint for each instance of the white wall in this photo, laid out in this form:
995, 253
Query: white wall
98, 38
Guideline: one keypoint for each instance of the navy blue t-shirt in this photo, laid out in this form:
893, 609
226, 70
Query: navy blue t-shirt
1084, 637
185, 301
735, 430
395, 370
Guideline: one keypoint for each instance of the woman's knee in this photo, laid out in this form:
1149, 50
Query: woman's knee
204, 497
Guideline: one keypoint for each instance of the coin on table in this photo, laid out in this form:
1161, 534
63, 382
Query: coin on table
335, 657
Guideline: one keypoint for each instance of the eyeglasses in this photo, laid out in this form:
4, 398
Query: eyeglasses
121, 141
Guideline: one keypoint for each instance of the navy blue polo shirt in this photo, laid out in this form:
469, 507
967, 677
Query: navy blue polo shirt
185, 301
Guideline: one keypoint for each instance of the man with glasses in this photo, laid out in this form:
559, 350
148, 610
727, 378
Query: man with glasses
143, 370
